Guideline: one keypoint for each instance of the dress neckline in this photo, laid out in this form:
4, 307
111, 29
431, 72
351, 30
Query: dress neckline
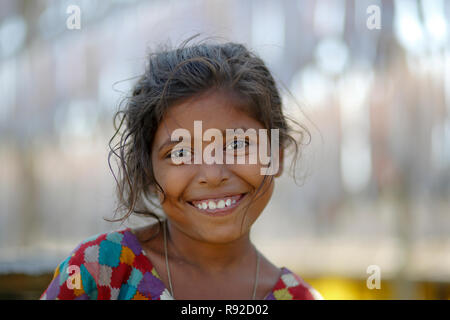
152, 269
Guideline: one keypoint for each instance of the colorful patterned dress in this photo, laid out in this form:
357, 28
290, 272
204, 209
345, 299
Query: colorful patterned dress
114, 266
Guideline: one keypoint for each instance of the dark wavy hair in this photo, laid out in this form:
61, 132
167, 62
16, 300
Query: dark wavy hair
172, 75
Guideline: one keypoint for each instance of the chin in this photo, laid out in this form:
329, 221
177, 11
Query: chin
223, 235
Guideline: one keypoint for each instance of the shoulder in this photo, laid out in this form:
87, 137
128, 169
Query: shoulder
108, 249
105, 266
291, 286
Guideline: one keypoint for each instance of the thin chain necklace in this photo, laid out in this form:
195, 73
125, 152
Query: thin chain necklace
168, 270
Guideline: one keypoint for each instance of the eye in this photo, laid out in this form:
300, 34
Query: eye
179, 153
239, 143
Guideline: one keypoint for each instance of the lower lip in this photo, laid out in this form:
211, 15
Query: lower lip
222, 211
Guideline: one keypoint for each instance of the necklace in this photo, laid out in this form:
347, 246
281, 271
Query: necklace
168, 270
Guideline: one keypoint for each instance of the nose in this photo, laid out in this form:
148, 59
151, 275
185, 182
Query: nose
212, 174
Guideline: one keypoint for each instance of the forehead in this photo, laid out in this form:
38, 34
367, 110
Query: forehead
216, 109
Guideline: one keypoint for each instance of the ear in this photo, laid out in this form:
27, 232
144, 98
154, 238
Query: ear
280, 164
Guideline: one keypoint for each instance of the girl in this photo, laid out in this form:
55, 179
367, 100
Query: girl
202, 249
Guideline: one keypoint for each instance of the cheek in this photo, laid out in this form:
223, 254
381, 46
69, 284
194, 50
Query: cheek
250, 173
253, 166
173, 181
262, 197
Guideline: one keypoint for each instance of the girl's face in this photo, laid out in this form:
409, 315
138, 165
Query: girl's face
184, 183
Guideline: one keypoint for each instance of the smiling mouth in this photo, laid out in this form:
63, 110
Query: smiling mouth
218, 207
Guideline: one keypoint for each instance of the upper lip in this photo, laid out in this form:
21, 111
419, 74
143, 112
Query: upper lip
216, 196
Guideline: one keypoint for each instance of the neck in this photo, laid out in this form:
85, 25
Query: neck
208, 258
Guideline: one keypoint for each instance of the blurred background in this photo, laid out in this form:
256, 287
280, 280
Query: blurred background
370, 79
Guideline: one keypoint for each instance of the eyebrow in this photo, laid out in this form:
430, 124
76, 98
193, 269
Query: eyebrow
169, 142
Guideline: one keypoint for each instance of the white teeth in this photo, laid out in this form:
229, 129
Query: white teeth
221, 204
211, 205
